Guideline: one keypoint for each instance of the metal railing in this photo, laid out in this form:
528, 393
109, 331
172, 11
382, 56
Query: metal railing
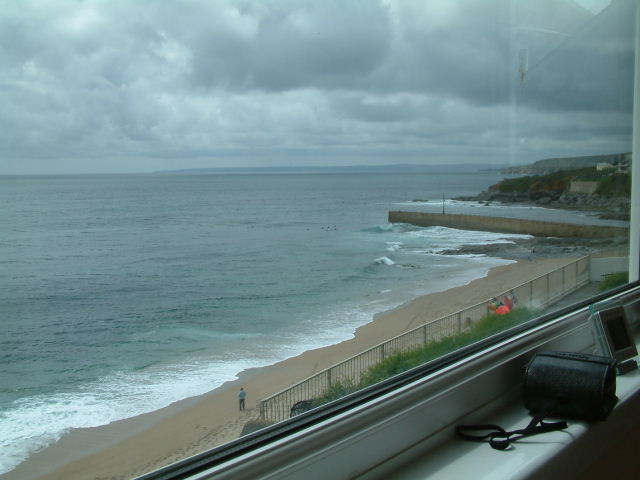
537, 293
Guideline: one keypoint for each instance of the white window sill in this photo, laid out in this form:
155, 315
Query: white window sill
563, 454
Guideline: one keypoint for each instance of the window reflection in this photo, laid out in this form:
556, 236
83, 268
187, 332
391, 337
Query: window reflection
281, 245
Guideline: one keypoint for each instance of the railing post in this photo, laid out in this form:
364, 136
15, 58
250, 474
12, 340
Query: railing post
531, 293
424, 334
548, 291
382, 351
329, 378
460, 322
577, 273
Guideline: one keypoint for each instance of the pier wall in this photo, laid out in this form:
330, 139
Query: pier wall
506, 225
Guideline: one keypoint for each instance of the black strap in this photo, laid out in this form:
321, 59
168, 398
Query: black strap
500, 439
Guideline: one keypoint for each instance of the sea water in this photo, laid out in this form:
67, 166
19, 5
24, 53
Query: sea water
121, 294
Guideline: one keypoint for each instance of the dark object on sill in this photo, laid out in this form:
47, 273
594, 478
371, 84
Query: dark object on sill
557, 384
301, 407
626, 366
500, 439
570, 385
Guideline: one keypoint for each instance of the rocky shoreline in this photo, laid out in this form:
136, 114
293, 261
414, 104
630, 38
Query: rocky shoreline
538, 247
607, 207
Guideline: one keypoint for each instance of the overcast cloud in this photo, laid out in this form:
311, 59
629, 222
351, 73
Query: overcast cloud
134, 86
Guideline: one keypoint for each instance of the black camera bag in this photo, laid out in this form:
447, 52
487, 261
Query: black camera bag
570, 385
557, 384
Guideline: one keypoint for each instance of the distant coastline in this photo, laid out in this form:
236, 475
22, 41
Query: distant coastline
550, 165
390, 168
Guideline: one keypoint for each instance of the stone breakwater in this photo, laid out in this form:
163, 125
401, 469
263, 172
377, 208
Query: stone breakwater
506, 225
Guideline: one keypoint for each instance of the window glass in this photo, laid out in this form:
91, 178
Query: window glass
221, 215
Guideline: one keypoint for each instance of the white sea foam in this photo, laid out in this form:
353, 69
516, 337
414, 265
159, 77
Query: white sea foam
439, 239
394, 246
386, 228
466, 204
33, 423
384, 261
332, 327
438, 202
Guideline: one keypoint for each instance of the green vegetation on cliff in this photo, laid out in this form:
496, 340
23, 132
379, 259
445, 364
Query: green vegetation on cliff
610, 183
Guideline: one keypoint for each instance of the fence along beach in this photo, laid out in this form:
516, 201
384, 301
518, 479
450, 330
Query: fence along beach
134, 446
537, 293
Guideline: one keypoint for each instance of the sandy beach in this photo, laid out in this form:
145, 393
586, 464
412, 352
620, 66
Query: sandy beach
131, 447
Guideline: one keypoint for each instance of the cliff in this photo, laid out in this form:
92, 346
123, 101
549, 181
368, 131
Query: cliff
606, 191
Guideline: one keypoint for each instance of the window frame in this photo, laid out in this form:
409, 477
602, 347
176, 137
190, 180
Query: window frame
376, 430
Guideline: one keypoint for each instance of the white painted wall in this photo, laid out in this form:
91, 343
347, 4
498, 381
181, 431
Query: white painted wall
604, 266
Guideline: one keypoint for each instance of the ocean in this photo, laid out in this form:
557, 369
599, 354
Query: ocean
124, 293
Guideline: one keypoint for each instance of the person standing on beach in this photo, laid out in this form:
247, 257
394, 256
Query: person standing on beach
241, 396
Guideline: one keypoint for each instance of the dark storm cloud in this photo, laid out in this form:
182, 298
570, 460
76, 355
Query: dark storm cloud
458, 51
285, 45
129, 86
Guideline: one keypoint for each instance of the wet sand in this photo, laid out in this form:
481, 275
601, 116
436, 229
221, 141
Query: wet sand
131, 447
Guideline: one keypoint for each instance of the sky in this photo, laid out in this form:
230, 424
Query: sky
99, 86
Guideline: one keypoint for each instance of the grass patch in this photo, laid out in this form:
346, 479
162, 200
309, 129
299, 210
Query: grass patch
403, 361
335, 391
614, 280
